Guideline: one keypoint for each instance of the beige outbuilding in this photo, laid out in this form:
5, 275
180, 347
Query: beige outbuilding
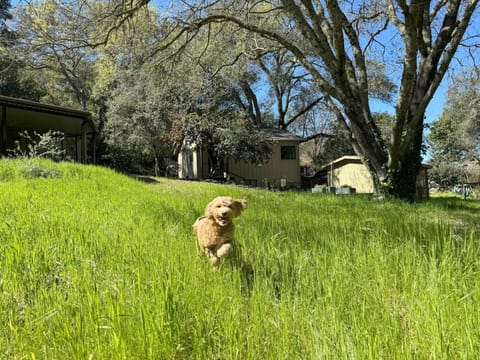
352, 172
281, 171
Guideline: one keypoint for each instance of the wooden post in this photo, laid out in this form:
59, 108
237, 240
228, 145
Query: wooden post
83, 144
3, 132
94, 147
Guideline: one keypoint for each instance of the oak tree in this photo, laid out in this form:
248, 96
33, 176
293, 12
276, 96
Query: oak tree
334, 41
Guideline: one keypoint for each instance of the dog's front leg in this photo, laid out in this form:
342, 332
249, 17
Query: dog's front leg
211, 256
224, 250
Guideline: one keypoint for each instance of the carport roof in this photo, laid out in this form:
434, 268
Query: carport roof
22, 114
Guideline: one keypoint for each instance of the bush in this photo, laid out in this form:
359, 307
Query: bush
46, 145
31, 170
445, 176
28, 168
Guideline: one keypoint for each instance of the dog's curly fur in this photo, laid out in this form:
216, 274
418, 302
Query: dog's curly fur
215, 229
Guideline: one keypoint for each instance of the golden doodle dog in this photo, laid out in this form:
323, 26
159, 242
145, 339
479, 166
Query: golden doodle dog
215, 229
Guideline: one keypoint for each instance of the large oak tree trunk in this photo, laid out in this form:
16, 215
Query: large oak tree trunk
402, 182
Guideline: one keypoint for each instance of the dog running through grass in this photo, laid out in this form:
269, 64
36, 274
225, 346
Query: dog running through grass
215, 229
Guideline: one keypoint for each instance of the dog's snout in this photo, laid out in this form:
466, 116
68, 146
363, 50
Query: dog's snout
224, 213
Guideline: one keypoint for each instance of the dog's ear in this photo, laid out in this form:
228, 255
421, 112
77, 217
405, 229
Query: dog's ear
238, 205
209, 208
208, 211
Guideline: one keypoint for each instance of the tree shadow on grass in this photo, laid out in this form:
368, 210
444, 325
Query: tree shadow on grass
465, 213
453, 203
146, 179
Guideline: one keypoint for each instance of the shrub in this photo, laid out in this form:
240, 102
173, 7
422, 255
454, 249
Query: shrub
31, 170
46, 145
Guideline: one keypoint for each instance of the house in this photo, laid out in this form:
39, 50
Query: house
351, 171
281, 171
18, 115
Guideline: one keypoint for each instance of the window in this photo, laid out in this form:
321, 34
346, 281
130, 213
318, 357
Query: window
288, 152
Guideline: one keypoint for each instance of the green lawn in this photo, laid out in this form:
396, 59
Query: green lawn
97, 265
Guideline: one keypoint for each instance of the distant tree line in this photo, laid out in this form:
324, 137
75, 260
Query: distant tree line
454, 138
148, 99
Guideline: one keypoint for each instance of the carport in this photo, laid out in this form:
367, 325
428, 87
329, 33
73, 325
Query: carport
18, 115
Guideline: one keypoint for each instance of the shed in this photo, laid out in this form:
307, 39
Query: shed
282, 170
351, 171
18, 115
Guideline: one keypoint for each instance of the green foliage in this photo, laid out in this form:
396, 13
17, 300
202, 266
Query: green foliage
5, 33
50, 54
32, 170
27, 168
385, 123
141, 110
45, 145
5, 12
455, 136
12, 80
444, 142
230, 136
445, 176
95, 264
243, 141
212, 121
76, 49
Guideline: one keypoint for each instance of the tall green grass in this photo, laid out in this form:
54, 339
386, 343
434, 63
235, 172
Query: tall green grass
97, 265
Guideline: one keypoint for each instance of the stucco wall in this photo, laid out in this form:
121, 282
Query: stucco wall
189, 163
273, 171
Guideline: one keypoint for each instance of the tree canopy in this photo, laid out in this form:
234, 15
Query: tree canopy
455, 136
334, 41
308, 56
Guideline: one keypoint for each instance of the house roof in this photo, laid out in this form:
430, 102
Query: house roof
22, 114
342, 160
280, 134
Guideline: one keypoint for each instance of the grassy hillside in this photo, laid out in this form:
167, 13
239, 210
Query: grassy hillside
96, 265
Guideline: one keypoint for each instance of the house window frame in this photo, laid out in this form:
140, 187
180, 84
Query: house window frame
288, 152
